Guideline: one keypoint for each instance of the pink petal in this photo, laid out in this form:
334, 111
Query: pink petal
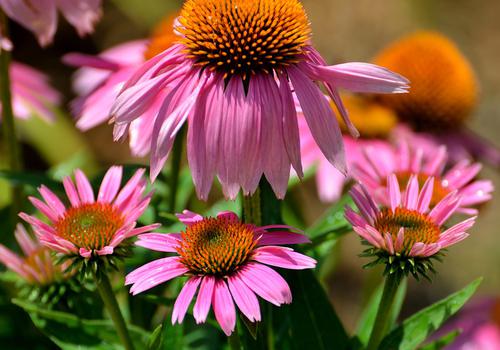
223, 305
84, 188
425, 197
76, 59
53, 201
27, 244
71, 191
394, 191
82, 14
184, 299
160, 242
44, 209
244, 298
152, 279
410, 196
266, 283
281, 237
110, 184
188, 217
151, 267
204, 299
84, 252
283, 257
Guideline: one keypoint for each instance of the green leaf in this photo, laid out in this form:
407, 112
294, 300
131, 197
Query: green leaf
314, 323
72, 333
414, 330
156, 339
365, 323
442, 342
173, 335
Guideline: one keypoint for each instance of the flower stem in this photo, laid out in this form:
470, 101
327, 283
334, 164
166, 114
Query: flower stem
175, 169
234, 340
12, 149
380, 326
109, 300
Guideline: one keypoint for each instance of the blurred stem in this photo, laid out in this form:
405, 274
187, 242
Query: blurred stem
234, 340
384, 310
175, 169
111, 304
251, 208
12, 149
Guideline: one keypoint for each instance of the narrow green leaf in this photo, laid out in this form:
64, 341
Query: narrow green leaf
414, 330
314, 323
156, 339
367, 318
332, 221
442, 342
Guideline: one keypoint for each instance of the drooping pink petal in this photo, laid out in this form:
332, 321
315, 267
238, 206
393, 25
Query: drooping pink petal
223, 306
149, 280
283, 257
151, 267
204, 299
82, 14
244, 298
184, 299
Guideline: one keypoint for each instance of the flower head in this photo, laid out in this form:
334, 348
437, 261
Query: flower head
225, 260
406, 234
100, 79
237, 67
372, 168
40, 16
37, 266
92, 229
32, 93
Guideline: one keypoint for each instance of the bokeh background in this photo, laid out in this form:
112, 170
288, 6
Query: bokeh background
343, 31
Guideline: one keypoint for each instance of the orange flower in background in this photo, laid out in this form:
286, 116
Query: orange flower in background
444, 89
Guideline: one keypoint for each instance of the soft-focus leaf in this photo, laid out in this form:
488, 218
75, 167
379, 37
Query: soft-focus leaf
71, 333
314, 323
156, 339
365, 324
333, 221
414, 330
30, 178
442, 342
173, 335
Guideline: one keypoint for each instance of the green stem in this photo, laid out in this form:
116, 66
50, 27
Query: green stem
109, 300
12, 149
175, 169
234, 340
381, 324
252, 208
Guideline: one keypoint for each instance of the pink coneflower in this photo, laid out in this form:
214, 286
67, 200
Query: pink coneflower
236, 69
31, 93
225, 261
372, 169
91, 228
40, 16
405, 234
36, 267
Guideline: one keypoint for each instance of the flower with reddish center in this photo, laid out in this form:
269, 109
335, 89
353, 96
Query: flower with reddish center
374, 122
372, 168
90, 228
32, 94
36, 267
443, 96
225, 261
406, 234
237, 68
100, 79
40, 16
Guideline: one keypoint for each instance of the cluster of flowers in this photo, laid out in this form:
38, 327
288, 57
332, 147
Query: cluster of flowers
254, 109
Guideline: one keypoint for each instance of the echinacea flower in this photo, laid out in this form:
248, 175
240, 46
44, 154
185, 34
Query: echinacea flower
374, 123
101, 77
226, 262
31, 93
40, 16
404, 160
92, 228
235, 71
443, 96
479, 326
37, 266
407, 234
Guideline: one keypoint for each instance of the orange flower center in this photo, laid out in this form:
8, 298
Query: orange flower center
162, 38
90, 226
418, 227
216, 246
244, 37
443, 86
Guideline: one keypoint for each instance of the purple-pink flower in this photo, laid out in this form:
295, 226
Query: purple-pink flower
407, 227
225, 261
40, 16
32, 94
237, 96
37, 266
91, 226
407, 159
